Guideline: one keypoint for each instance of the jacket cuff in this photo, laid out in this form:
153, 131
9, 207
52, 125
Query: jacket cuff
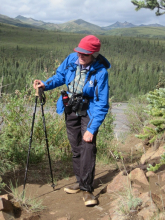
46, 86
91, 131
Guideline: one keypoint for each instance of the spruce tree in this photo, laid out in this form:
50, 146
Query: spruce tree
151, 4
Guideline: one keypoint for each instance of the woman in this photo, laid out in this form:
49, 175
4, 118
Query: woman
85, 105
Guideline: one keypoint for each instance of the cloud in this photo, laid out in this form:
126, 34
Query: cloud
99, 12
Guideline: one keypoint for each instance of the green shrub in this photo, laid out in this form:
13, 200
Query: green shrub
104, 137
17, 114
135, 113
156, 111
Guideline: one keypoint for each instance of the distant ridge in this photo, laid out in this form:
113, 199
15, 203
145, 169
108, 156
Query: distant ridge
119, 25
84, 27
82, 23
151, 25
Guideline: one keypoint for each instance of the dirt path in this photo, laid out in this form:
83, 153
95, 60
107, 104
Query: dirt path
59, 204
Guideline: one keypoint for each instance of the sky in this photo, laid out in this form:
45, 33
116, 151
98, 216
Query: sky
98, 12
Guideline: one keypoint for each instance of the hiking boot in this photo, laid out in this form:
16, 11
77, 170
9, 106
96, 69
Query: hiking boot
89, 198
72, 189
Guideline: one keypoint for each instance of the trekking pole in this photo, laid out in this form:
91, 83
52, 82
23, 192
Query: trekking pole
42, 100
39, 93
30, 142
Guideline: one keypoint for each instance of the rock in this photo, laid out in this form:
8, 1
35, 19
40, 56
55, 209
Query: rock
152, 154
5, 205
5, 196
158, 153
119, 183
149, 208
157, 200
150, 174
147, 155
1, 216
149, 212
138, 174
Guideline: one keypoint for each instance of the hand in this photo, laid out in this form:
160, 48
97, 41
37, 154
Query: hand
88, 137
38, 83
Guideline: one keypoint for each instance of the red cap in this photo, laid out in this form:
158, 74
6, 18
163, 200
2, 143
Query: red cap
88, 45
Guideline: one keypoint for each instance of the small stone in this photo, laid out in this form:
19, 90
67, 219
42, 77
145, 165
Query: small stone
52, 213
98, 207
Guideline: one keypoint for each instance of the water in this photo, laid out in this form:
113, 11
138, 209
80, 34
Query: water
120, 118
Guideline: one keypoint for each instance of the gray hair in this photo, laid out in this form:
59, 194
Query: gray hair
95, 55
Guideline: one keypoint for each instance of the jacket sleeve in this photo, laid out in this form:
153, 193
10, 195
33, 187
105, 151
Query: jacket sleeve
59, 78
101, 103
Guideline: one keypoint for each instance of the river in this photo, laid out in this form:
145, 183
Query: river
120, 118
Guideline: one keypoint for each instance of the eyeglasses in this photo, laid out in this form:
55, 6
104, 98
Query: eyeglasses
82, 54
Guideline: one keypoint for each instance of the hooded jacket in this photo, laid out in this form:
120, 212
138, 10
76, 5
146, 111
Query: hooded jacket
96, 87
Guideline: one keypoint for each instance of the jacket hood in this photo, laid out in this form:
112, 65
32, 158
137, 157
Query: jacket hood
102, 60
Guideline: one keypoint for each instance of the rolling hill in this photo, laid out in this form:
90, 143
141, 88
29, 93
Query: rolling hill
84, 27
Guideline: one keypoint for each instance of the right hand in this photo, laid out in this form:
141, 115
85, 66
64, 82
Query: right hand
38, 83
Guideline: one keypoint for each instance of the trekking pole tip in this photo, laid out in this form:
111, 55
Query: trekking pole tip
53, 185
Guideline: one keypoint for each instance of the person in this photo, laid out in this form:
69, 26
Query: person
85, 105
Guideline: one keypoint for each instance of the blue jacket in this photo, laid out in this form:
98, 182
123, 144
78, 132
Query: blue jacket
96, 87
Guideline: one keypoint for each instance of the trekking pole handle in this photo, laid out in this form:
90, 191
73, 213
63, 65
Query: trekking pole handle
37, 92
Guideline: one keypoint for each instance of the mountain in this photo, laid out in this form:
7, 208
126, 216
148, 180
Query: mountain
119, 25
84, 27
29, 20
78, 26
15, 22
38, 23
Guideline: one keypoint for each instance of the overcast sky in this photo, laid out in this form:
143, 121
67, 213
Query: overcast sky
99, 12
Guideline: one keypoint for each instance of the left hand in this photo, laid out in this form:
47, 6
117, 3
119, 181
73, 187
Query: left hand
88, 137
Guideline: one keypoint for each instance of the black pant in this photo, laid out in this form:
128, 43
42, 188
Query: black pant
84, 153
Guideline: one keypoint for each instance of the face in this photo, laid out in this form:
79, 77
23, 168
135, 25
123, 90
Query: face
85, 59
